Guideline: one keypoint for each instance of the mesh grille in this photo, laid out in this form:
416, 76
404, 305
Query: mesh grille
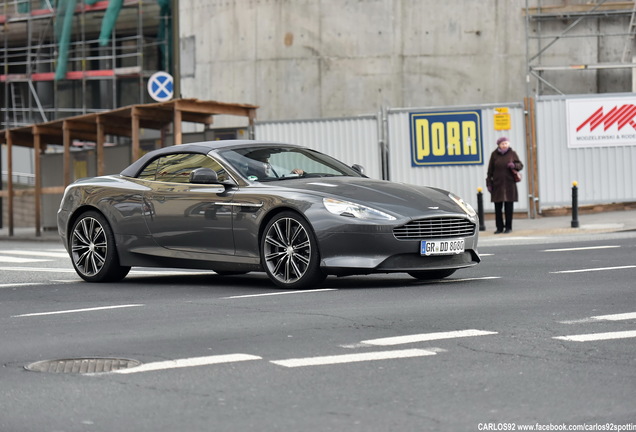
82, 365
435, 228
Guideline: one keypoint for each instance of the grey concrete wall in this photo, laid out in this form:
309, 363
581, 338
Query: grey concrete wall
331, 58
325, 58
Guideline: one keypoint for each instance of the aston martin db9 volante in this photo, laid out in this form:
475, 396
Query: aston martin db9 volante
247, 206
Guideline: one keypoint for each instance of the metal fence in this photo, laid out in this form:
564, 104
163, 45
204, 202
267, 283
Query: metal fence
605, 174
463, 180
353, 140
382, 144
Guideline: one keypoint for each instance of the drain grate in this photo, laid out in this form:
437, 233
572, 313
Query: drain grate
82, 365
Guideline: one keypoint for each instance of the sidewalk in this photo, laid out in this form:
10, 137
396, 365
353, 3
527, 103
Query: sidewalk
590, 223
541, 226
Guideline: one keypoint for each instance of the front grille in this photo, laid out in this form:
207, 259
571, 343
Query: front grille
433, 228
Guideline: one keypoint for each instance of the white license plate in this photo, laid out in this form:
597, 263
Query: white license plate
442, 247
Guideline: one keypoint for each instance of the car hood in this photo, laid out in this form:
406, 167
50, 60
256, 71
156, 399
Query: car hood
399, 199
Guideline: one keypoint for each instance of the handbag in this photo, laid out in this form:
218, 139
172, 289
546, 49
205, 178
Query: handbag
515, 174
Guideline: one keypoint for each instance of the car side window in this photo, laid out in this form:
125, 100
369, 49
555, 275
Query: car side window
150, 171
176, 168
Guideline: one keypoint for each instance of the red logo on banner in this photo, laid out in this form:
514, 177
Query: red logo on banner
620, 116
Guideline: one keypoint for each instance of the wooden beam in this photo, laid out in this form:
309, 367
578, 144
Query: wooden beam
213, 107
177, 127
81, 126
206, 119
52, 190
134, 122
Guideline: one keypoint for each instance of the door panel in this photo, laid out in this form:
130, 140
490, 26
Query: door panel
190, 217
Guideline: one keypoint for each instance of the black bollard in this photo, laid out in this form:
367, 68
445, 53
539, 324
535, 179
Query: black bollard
480, 210
575, 205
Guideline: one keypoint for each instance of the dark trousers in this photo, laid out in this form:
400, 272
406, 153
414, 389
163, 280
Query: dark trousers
499, 220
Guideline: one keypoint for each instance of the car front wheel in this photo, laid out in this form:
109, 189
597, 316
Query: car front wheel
93, 251
289, 252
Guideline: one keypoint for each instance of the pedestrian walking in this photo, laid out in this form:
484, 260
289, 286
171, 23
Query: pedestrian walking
501, 181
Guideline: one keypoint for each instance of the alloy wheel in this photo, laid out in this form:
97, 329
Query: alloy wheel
287, 250
89, 246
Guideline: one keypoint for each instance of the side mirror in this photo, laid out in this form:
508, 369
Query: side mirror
204, 176
358, 168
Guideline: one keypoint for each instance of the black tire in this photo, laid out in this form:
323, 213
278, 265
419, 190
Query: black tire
432, 274
289, 252
93, 250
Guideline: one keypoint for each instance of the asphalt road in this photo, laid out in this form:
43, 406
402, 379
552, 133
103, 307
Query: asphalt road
541, 333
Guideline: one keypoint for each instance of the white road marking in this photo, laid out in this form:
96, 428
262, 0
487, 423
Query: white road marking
579, 321
51, 254
279, 293
16, 285
17, 260
77, 310
352, 358
616, 317
598, 336
188, 362
425, 337
132, 272
36, 284
595, 269
38, 269
580, 248
467, 279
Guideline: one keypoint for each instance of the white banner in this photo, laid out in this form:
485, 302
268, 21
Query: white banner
601, 122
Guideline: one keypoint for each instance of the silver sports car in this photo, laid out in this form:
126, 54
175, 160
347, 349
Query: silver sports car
240, 206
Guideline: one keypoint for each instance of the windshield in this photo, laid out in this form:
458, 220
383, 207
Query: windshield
277, 163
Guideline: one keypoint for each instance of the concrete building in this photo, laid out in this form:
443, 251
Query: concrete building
332, 58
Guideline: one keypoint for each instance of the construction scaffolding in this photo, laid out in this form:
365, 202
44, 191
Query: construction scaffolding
595, 36
64, 58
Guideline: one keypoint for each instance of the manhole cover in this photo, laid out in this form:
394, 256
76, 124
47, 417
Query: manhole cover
82, 365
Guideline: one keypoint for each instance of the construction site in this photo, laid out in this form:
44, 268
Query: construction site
580, 47
75, 73
79, 57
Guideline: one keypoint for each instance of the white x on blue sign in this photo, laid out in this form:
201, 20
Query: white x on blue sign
161, 86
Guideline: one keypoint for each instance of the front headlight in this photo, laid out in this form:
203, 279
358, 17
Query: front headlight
468, 209
349, 209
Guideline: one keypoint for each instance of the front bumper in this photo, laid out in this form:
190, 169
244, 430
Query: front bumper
367, 251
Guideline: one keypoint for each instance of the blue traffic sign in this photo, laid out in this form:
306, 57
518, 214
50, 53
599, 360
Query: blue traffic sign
161, 86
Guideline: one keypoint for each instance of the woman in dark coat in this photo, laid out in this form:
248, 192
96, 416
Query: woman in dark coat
501, 183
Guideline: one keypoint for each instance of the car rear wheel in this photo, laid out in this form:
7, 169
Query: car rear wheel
93, 250
432, 274
289, 252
